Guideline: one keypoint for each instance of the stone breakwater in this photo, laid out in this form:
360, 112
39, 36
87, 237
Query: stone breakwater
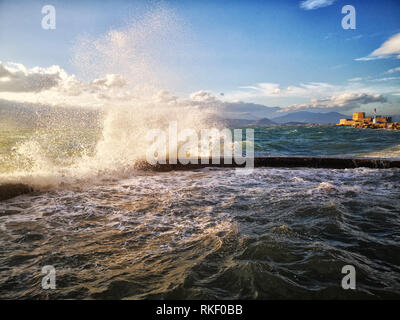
284, 162
10, 190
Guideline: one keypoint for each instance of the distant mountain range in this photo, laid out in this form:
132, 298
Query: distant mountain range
396, 118
300, 117
311, 117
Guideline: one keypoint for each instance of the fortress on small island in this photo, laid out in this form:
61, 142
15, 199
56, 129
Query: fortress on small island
359, 120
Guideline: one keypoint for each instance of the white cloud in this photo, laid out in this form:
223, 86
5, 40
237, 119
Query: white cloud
15, 77
357, 79
315, 4
386, 79
202, 96
276, 94
310, 89
109, 81
165, 96
266, 89
349, 100
388, 49
54, 86
275, 90
394, 70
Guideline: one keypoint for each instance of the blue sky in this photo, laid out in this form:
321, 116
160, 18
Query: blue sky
249, 50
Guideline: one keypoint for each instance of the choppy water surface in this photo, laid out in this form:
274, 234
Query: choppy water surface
21, 148
326, 141
277, 233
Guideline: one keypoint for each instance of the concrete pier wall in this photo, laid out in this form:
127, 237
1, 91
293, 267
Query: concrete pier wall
288, 162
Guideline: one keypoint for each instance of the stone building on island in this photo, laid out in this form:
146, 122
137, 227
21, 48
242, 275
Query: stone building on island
359, 120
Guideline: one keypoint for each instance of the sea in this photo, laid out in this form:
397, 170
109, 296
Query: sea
113, 231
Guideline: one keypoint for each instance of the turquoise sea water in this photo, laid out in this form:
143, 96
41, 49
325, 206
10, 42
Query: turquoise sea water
326, 141
63, 146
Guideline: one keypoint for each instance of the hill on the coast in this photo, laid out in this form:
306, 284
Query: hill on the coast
310, 117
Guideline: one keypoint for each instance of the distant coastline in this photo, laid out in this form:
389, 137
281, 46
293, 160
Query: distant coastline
295, 118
